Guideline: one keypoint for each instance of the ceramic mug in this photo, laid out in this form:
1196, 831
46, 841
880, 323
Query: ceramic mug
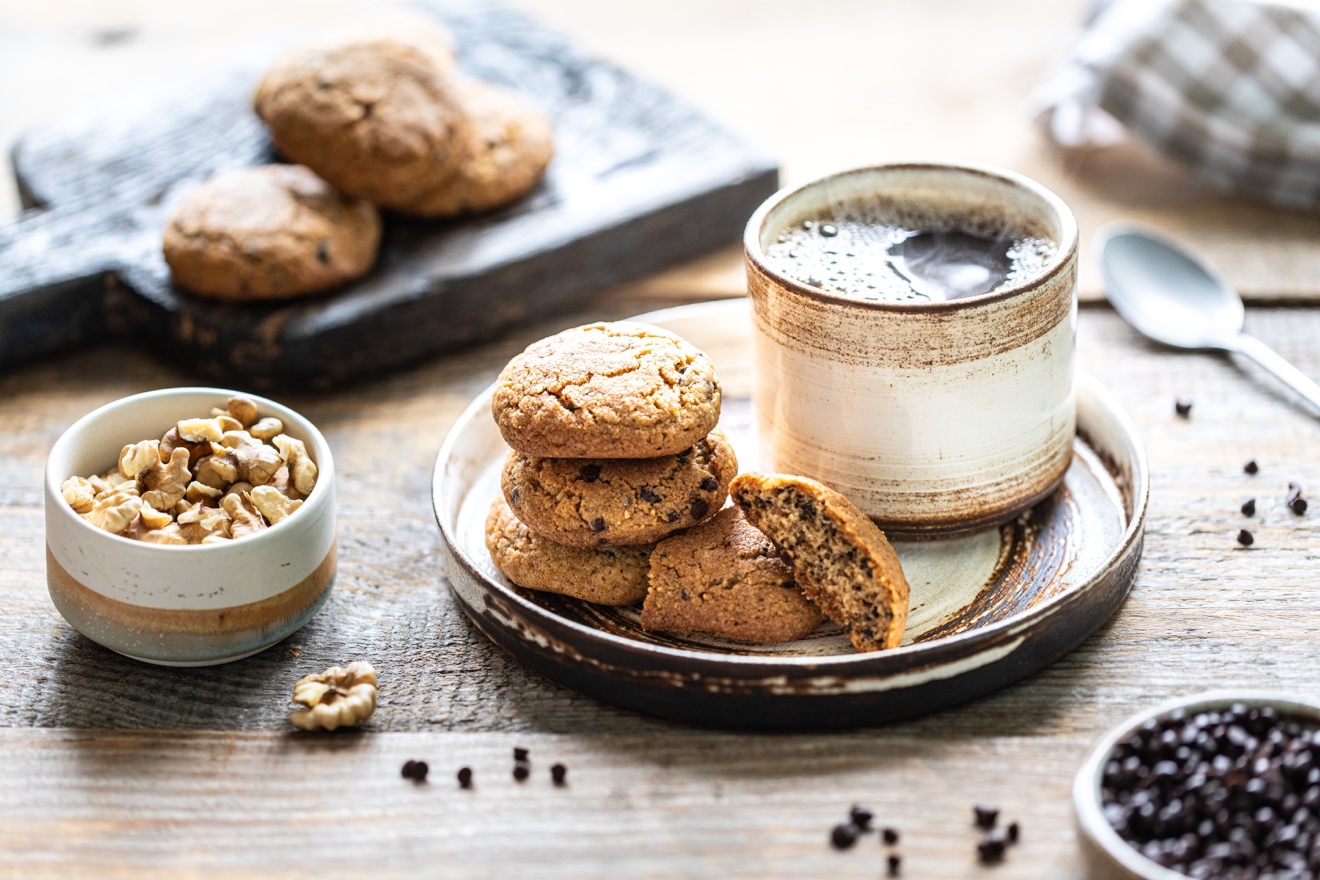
933, 417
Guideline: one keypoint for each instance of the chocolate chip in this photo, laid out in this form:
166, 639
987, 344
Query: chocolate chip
558, 774
1298, 506
895, 864
598, 524
889, 836
1295, 499
861, 817
1251, 467
1245, 538
589, 473
700, 507
709, 484
986, 817
1014, 832
1249, 507
990, 851
465, 777
516, 496
519, 754
323, 252
521, 772
419, 771
844, 835
684, 455
672, 516
407, 771
1182, 407
649, 495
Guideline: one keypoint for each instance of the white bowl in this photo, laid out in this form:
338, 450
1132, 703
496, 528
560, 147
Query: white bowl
1107, 854
195, 605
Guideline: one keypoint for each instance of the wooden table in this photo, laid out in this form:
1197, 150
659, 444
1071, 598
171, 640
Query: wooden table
109, 768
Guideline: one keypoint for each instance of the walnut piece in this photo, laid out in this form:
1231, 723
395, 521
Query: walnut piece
301, 467
201, 523
172, 441
273, 504
217, 470
267, 428
171, 534
79, 494
257, 464
242, 409
137, 457
338, 697
238, 439
200, 493
114, 512
154, 519
199, 430
168, 482
246, 520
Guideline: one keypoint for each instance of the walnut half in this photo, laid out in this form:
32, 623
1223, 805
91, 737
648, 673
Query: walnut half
338, 697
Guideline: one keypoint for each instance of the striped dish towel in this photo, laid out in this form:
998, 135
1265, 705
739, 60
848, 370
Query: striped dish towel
1229, 88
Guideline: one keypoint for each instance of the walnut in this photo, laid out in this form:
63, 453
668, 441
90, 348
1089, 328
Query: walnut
217, 470
167, 483
200, 493
200, 523
338, 697
238, 440
137, 457
242, 409
237, 489
170, 534
227, 422
272, 504
79, 493
301, 468
246, 520
114, 512
267, 428
153, 518
198, 430
257, 464
100, 486
172, 441
216, 538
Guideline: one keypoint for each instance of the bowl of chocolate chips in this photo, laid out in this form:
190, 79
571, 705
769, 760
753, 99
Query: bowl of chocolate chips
1223, 784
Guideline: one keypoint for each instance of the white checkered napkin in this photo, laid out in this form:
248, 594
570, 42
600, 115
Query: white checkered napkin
1230, 88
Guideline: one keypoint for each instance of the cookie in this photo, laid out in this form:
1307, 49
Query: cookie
378, 117
269, 232
840, 559
726, 578
597, 502
606, 576
613, 390
510, 143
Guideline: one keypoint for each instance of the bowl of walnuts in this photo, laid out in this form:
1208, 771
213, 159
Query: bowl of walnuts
190, 526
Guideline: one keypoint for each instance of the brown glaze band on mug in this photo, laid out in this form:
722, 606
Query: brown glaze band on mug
933, 417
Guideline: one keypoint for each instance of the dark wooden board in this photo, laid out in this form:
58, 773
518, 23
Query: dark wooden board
640, 181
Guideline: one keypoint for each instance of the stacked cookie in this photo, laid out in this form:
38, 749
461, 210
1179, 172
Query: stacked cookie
614, 446
376, 116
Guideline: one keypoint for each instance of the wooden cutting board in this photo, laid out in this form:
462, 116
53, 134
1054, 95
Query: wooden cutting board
640, 181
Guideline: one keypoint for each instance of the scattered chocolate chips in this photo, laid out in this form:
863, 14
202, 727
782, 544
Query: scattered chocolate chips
709, 484
519, 754
649, 495
598, 524
559, 774
1014, 832
1182, 407
415, 770
889, 836
991, 850
700, 507
895, 864
465, 777
844, 835
589, 473
1245, 538
986, 817
521, 772
1249, 507
1251, 467
1217, 793
1295, 499
861, 817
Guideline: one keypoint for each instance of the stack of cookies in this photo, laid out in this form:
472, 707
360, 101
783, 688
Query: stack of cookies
376, 116
613, 490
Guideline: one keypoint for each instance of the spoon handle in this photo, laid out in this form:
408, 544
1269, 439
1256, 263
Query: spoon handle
1275, 363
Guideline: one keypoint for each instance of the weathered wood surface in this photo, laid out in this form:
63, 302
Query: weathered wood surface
156, 772
639, 182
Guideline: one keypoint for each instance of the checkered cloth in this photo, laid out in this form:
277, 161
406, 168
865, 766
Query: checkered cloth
1230, 88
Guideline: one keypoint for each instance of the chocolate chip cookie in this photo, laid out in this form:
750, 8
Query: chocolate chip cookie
605, 575
510, 143
725, 577
611, 390
379, 116
839, 557
598, 502
269, 232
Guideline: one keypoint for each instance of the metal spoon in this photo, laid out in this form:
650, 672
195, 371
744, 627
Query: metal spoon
1169, 295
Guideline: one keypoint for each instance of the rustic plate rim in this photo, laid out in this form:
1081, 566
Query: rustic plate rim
913, 656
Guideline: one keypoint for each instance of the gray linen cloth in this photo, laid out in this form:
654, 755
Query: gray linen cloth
1229, 88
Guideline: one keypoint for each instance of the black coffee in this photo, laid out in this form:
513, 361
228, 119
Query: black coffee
864, 259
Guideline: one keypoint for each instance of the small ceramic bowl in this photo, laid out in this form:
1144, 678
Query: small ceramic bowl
1107, 854
196, 605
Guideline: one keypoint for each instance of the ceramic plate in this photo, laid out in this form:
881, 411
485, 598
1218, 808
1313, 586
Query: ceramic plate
987, 609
